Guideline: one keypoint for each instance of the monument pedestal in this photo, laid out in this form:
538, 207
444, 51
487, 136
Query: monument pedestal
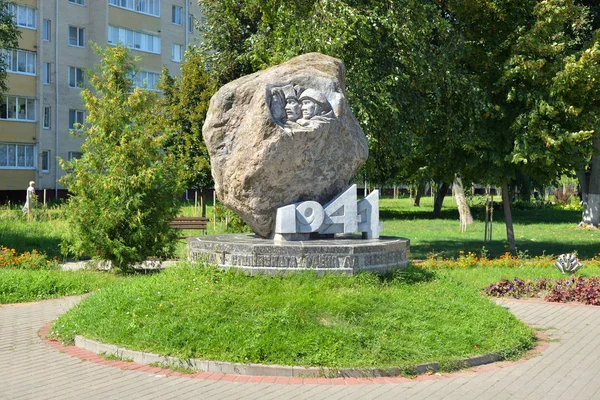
347, 255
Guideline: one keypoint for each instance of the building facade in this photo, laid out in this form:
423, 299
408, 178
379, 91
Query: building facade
47, 71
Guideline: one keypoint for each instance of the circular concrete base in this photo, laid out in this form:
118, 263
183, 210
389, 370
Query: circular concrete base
349, 255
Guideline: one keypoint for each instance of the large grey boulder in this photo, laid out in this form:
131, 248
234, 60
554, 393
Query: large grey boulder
281, 136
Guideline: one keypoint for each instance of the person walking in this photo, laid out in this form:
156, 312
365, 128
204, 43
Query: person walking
30, 200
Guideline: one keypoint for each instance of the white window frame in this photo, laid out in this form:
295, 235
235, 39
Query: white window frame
17, 103
177, 15
177, 53
47, 118
148, 7
24, 16
46, 73
46, 30
74, 155
79, 39
146, 80
76, 117
133, 39
78, 2
24, 150
78, 75
46, 161
20, 61
190, 22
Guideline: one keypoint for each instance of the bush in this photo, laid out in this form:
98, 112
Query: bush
124, 186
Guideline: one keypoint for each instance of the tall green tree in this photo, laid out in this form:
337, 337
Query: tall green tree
9, 38
124, 188
400, 84
441, 87
518, 60
183, 109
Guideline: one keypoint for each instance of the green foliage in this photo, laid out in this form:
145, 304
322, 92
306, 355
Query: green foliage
399, 80
125, 185
302, 319
234, 223
9, 39
183, 110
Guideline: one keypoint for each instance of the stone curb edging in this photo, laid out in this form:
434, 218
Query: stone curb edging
87, 355
231, 368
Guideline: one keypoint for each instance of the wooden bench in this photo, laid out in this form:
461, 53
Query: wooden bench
188, 223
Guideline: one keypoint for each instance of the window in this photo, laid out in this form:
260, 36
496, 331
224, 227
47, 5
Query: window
75, 77
146, 79
134, 40
76, 36
17, 108
190, 23
151, 7
76, 119
176, 52
74, 155
24, 16
47, 117
80, 2
46, 72
176, 15
20, 61
46, 30
17, 156
46, 161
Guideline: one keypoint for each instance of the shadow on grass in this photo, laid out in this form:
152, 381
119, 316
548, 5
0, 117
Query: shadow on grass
530, 216
23, 243
547, 215
410, 215
494, 249
410, 276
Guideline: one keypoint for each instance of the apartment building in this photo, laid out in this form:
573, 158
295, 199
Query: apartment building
47, 71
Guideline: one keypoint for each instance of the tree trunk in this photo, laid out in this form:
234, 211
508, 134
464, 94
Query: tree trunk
590, 190
510, 233
419, 189
464, 211
203, 192
438, 198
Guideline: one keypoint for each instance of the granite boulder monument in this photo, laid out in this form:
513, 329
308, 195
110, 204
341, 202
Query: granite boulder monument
282, 136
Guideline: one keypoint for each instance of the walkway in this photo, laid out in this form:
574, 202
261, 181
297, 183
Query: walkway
568, 368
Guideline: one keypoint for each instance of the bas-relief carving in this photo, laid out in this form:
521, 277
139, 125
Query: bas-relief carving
298, 109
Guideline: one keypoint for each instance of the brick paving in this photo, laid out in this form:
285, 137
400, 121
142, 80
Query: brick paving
568, 367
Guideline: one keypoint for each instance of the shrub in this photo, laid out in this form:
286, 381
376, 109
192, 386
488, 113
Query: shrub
125, 185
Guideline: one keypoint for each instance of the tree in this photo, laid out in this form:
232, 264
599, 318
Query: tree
397, 58
520, 60
124, 187
433, 87
183, 110
9, 38
383, 44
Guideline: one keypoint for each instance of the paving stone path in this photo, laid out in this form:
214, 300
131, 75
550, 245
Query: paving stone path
567, 368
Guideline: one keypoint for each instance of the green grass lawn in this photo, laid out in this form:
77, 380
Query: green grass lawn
541, 231
18, 286
334, 321
435, 312
550, 230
